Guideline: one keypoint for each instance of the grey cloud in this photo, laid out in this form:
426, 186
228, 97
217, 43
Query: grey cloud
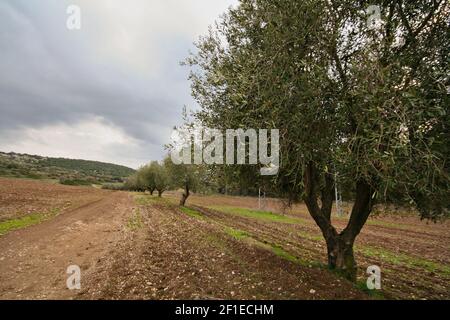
50, 75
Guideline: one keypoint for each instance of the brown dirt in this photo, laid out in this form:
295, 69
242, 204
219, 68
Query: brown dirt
153, 250
34, 260
175, 256
21, 197
391, 236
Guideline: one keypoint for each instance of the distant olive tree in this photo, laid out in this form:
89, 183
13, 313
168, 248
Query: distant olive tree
182, 176
150, 177
134, 183
161, 178
148, 174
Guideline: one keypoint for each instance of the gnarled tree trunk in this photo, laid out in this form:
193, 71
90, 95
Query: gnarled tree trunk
185, 195
341, 258
340, 245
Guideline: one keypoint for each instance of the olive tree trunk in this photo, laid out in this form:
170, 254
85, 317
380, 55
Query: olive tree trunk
185, 195
339, 245
341, 258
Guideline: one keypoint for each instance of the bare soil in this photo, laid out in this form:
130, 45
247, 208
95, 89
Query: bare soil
414, 255
175, 256
34, 260
134, 246
21, 197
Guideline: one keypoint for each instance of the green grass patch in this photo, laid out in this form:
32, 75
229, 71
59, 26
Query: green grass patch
143, 200
192, 213
256, 214
404, 260
146, 199
277, 250
15, 224
236, 233
311, 236
26, 221
376, 294
135, 222
216, 242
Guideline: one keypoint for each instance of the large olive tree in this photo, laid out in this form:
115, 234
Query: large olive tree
354, 96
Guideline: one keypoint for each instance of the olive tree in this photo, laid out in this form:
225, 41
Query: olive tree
354, 96
147, 175
161, 178
185, 176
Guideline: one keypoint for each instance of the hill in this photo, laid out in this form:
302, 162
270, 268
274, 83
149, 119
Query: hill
68, 171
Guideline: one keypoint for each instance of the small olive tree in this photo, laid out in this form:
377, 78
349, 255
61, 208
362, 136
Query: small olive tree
182, 176
136, 182
161, 178
147, 176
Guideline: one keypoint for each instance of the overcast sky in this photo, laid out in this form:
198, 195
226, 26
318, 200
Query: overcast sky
111, 91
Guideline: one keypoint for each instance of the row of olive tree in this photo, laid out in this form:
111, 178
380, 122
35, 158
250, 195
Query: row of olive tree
165, 176
152, 177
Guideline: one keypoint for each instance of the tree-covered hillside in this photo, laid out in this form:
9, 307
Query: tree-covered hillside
68, 171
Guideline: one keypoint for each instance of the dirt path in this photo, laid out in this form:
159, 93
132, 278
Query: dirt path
34, 260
